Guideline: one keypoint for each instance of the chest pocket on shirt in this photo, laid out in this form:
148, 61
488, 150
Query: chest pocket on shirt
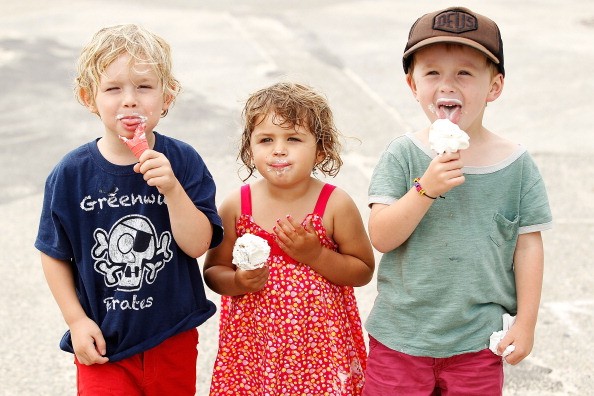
503, 230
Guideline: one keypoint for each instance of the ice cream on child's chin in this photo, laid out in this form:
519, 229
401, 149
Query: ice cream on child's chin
138, 144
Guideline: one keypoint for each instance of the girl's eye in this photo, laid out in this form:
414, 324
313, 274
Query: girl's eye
111, 89
294, 139
464, 73
145, 86
265, 140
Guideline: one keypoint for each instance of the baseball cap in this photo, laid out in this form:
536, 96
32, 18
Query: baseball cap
455, 25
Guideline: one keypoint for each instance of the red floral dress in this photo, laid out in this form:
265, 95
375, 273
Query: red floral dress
299, 335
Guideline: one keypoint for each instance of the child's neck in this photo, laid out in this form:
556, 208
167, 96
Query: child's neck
487, 149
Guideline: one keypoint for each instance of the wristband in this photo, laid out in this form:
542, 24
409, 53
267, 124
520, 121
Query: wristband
421, 190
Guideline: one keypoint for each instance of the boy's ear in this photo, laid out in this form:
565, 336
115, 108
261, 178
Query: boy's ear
167, 101
496, 87
87, 101
167, 97
411, 83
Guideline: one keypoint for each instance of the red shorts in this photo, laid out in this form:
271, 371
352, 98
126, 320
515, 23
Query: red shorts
167, 369
394, 373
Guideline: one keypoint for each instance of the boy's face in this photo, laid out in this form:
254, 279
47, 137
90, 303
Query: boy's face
126, 92
454, 82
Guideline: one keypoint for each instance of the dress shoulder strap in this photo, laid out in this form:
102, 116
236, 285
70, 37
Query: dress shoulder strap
246, 200
323, 199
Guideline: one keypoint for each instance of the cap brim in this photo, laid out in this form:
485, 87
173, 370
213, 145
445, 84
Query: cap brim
448, 39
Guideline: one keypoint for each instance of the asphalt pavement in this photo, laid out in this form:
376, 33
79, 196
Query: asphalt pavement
350, 50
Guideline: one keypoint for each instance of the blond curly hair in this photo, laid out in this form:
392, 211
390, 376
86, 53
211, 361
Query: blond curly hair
144, 48
293, 105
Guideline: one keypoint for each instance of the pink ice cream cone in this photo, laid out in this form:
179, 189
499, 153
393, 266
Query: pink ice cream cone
138, 144
138, 148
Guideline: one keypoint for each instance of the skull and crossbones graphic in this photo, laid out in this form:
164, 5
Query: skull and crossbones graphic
130, 253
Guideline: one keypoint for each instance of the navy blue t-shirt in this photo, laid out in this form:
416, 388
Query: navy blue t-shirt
131, 277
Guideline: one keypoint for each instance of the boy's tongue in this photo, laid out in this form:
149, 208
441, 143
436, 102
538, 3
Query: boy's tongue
132, 121
451, 112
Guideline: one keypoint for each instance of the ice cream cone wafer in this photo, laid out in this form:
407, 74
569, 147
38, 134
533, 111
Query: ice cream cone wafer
139, 148
138, 144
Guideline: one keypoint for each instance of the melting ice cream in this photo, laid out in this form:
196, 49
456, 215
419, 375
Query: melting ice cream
250, 252
138, 144
445, 136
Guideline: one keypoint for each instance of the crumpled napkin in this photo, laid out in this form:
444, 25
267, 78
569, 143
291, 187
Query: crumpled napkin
497, 336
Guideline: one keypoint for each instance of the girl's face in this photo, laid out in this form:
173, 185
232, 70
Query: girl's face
454, 82
283, 155
126, 94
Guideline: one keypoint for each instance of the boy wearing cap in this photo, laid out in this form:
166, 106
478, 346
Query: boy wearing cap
460, 232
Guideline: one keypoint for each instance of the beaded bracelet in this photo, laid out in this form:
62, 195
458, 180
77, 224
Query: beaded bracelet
422, 191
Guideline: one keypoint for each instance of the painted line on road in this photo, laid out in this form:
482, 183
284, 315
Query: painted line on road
376, 98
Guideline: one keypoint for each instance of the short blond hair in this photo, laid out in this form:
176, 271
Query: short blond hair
108, 44
293, 105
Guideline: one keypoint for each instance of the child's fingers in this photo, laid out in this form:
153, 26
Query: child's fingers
100, 344
284, 228
287, 224
89, 355
302, 229
504, 343
281, 236
447, 157
309, 228
255, 279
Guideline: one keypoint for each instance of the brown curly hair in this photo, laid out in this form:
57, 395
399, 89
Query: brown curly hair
294, 105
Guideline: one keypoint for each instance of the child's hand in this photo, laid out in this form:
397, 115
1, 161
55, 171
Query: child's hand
88, 342
299, 242
443, 174
251, 280
157, 171
522, 339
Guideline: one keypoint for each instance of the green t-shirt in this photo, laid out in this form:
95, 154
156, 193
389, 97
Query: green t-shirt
444, 290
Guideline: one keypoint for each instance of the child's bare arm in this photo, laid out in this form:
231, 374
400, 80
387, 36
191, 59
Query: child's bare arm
87, 339
191, 229
353, 264
529, 267
220, 274
391, 225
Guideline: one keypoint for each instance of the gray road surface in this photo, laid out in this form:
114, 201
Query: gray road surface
350, 49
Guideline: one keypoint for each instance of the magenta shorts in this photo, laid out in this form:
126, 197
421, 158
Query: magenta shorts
394, 373
167, 369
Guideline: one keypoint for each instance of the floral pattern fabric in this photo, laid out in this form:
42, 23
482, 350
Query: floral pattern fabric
299, 335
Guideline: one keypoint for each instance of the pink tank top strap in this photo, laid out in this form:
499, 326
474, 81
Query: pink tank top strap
323, 199
246, 200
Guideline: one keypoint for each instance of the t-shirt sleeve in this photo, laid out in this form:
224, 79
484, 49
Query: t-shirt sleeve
388, 181
535, 212
201, 189
51, 236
